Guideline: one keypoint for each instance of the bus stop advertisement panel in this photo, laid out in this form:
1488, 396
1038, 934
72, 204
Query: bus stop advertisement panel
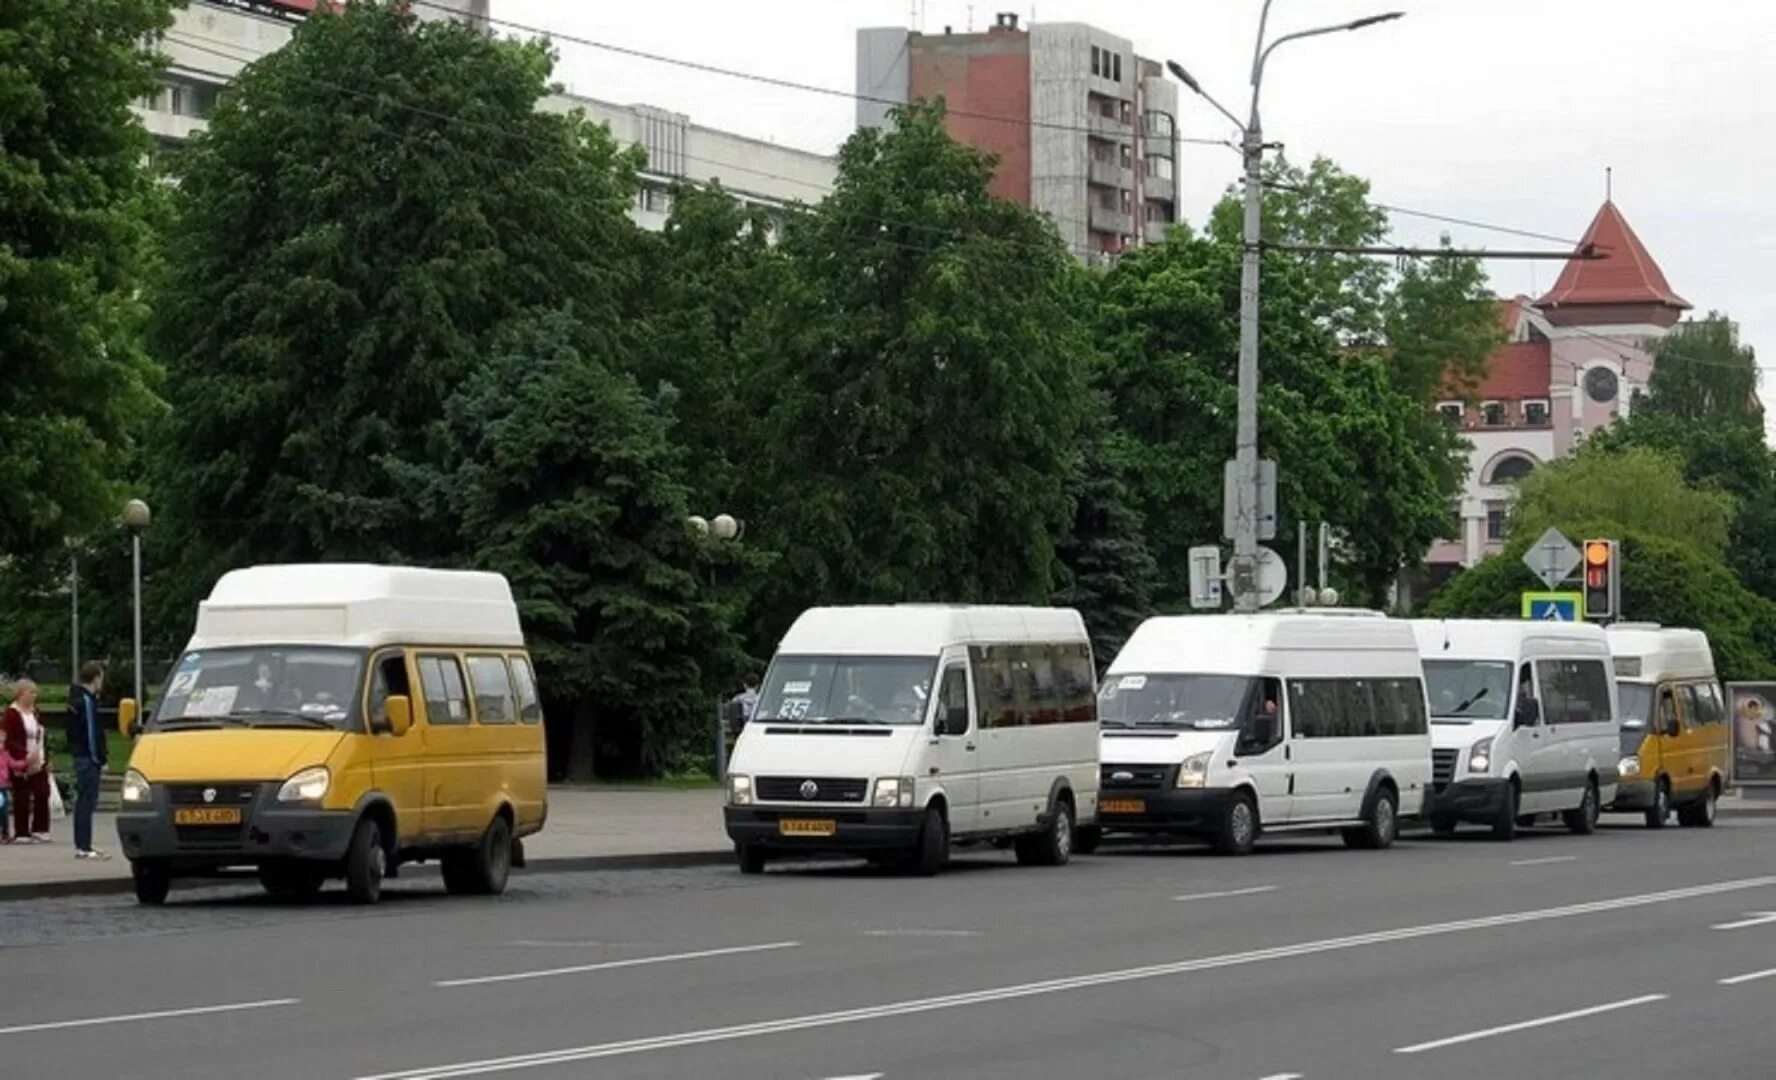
1754, 731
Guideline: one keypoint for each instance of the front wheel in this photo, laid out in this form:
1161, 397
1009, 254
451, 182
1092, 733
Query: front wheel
152, 882
1053, 846
751, 858
1582, 819
1239, 826
1380, 827
366, 863
1660, 812
933, 848
1504, 826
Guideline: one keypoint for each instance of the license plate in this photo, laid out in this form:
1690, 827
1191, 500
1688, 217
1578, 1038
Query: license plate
1122, 806
208, 815
806, 827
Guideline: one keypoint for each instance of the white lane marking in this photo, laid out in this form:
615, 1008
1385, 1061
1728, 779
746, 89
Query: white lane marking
918, 933
1546, 861
1540, 1021
859, 1076
1753, 976
1255, 890
1054, 986
1283, 1076
161, 1014
637, 961
1752, 918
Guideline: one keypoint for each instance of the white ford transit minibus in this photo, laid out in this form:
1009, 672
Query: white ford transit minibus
1227, 726
1523, 718
893, 732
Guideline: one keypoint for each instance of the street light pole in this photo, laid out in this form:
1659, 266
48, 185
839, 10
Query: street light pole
136, 518
1244, 570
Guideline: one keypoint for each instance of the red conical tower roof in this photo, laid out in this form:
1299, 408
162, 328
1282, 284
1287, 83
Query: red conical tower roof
1625, 276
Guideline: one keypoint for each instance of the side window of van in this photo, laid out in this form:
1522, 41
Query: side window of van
1044, 704
1316, 708
995, 692
493, 690
1400, 707
1079, 699
952, 702
530, 709
446, 698
1713, 710
389, 679
1574, 691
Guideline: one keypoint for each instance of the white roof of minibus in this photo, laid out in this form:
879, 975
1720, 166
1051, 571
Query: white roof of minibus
1238, 644
1502, 639
1664, 653
357, 605
923, 629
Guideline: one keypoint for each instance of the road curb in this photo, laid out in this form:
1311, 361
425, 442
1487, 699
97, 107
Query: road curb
564, 864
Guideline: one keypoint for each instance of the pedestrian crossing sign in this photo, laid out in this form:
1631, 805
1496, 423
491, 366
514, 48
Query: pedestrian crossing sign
1553, 606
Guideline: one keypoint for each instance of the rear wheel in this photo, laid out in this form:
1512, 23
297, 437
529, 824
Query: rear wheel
933, 848
366, 863
152, 882
1658, 813
1504, 825
1380, 827
1582, 819
1087, 839
1053, 846
1700, 814
1239, 826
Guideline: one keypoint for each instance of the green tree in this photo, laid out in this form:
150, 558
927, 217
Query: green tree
920, 387
1609, 494
1107, 568
370, 205
75, 243
1701, 373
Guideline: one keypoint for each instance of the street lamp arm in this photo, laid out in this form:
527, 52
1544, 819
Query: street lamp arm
1355, 24
1195, 87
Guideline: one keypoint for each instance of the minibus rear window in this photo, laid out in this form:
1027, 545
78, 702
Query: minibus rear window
892, 690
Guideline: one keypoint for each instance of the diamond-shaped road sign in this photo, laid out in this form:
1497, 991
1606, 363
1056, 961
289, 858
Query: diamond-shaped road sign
1553, 558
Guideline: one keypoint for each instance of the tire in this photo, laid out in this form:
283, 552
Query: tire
1504, 824
290, 882
1442, 826
751, 858
1701, 813
1239, 826
457, 868
152, 882
1053, 846
933, 848
1380, 826
366, 862
1087, 839
1660, 812
1582, 819
488, 864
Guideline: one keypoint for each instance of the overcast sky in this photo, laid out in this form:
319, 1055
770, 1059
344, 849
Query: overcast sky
1505, 111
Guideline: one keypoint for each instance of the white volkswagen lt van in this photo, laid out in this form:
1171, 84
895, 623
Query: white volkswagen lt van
1224, 727
1523, 718
893, 732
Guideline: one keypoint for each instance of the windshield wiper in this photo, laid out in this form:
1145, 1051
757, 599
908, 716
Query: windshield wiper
283, 715
175, 723
1470, 703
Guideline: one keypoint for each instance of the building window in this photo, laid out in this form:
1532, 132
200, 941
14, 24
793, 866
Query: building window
1097, 60
1101, 152
1127, 203
1158, 124
1107, 199
1160, 167
1511, 469
1601, 385
1535, 413
655, 200
1495, 522
1157, 213
1493, 413
1128, 113
1128, 156
1452, 411
1117, 58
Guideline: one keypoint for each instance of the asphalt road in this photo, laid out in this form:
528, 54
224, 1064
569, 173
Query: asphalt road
1625, 954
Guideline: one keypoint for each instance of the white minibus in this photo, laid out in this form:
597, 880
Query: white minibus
1223, 727
1523, 720
894, 732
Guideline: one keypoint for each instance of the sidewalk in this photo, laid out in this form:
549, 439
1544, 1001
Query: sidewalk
587, 829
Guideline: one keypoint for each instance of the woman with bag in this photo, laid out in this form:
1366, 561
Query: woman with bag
27, 758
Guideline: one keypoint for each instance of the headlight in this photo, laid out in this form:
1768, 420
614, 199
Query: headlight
740, 790
1628, 766
1480, 757
1193, 771
135, 788
309, 785
893, 791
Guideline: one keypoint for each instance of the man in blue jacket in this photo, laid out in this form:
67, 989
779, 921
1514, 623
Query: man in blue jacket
87, 745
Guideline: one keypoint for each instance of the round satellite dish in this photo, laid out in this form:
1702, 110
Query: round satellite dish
1273, 576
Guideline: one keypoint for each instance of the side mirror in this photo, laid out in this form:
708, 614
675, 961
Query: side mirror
126, 717
399, 710
1673, 728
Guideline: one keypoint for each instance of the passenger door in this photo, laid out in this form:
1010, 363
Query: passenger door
952, 756
1323, 723
1714, 751
1544, 784
1682, 760
449, 739
397, 761
1267, 756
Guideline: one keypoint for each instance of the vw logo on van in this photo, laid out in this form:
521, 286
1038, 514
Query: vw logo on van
1122, 776
209, 794
809, 789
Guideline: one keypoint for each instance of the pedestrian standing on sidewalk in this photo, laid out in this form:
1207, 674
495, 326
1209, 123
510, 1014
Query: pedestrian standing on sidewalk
28, 759
88, 746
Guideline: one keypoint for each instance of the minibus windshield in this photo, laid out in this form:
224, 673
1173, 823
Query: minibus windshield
1206, 702
1636, 703
1465, 690
891, 690
270, 686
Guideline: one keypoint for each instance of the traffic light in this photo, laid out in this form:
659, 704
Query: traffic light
1603, 589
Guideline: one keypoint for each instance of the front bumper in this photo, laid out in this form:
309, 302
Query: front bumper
1179, 811
1478, 800
853, 828
268, 831
1633, 795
